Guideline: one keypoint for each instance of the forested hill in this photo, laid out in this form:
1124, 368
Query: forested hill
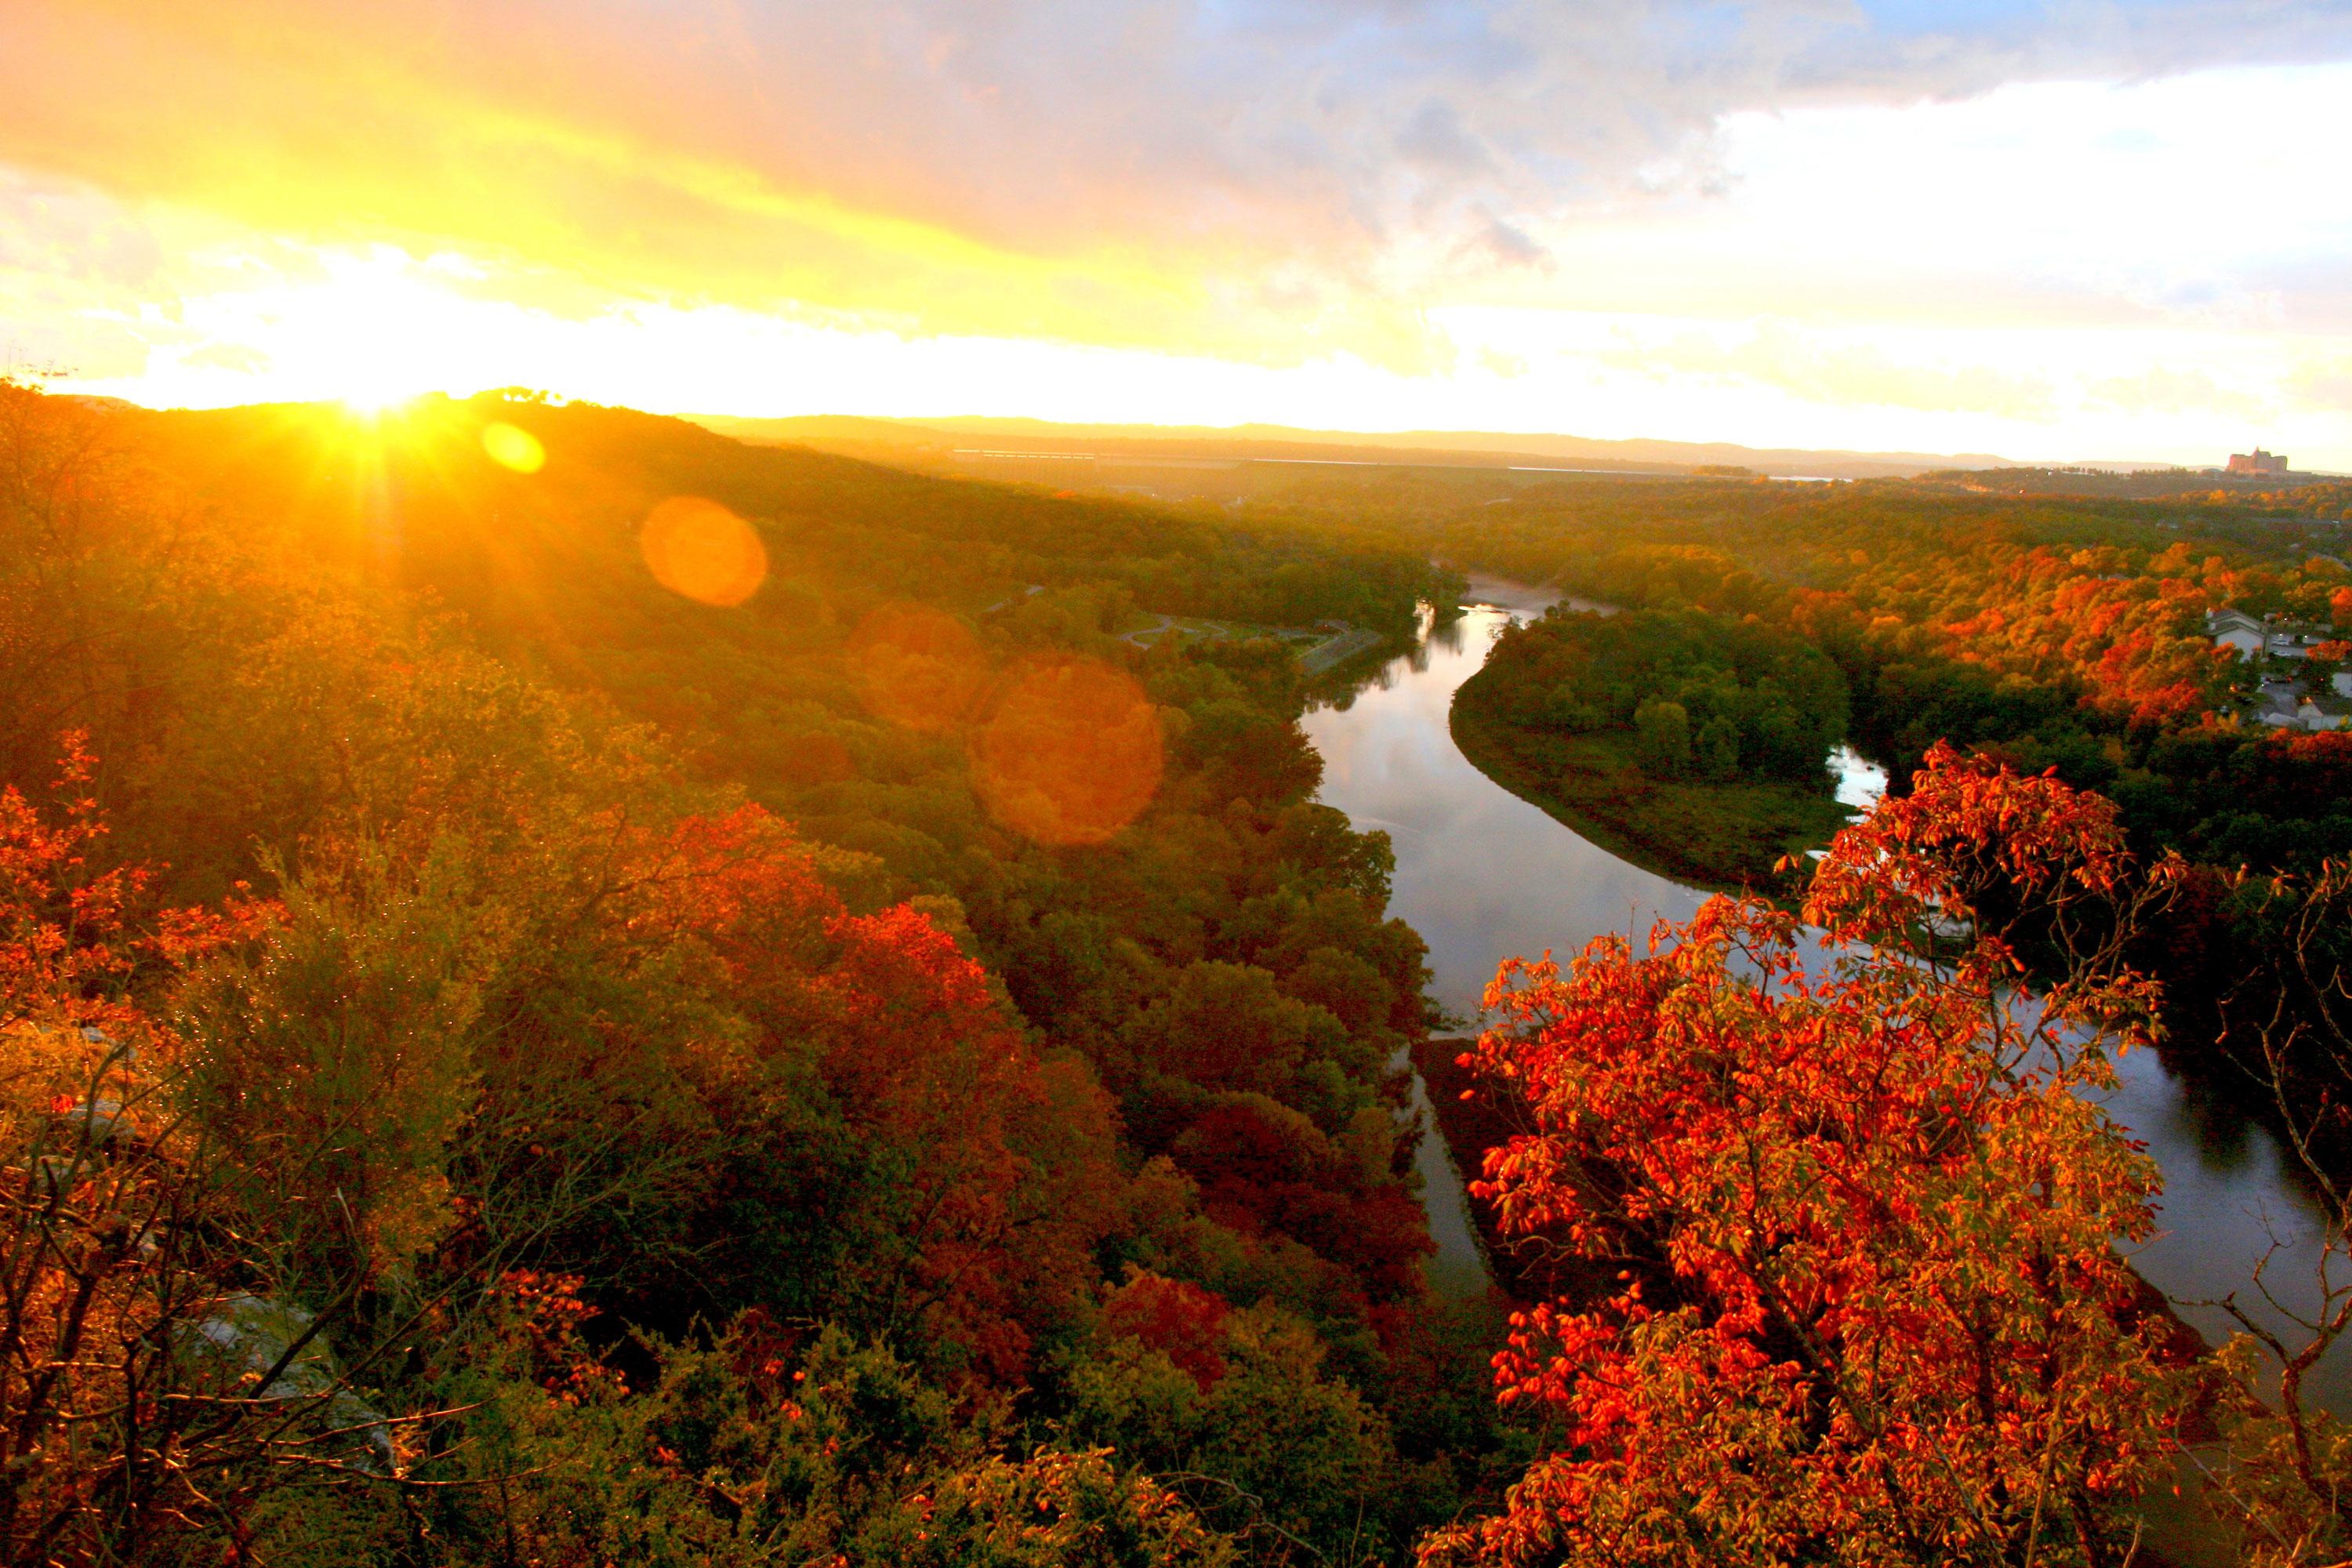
1284, 441
848, 533
412, 518
741, 1007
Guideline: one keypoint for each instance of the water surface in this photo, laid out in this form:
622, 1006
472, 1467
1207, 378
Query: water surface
1480, 873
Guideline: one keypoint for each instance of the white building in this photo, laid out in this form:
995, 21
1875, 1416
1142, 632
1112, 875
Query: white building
2236, 630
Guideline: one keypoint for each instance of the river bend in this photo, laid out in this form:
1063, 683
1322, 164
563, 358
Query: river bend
1483, 876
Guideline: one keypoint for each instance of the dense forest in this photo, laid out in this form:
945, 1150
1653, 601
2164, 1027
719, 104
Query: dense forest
576, 992
672, 968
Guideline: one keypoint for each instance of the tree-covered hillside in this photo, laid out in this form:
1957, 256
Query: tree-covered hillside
669, 972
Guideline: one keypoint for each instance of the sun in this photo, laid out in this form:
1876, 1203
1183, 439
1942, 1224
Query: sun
375, 402
372, 332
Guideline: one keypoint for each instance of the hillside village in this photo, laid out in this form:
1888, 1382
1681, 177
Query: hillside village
2300, 681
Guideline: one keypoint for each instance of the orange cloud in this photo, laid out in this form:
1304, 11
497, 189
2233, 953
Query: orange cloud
527, 145
1200, 210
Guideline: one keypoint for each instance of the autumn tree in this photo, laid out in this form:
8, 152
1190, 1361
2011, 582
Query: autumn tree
1868, 1306
2283, 1479
1237, 1413
155, 1389
748, 1451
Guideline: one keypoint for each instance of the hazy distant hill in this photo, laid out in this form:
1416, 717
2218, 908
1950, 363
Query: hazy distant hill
1280, 442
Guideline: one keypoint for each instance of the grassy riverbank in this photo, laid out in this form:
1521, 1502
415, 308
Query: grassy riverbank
1719, 836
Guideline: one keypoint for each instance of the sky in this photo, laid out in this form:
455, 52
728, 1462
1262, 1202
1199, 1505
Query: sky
2061, 231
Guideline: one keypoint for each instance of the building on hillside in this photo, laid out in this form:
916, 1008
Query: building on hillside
2257, 462
2287, 705
2236, 630
2272, 636
2279, 703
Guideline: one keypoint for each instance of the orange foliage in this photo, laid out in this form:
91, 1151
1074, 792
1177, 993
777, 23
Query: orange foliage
1008, 1156
1868, 1305
67, 934
701, 550
1071, 752
917, 667
1182, 1321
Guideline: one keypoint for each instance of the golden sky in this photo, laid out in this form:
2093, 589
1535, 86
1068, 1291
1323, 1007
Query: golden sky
2045, 230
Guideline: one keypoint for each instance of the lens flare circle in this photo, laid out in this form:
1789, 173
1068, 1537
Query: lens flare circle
511, 447
699, 550
917, 667
1070, 752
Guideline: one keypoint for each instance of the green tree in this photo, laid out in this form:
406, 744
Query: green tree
1265, 1444
1719, 749
1662, 738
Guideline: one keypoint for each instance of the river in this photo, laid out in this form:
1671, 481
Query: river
1482, 875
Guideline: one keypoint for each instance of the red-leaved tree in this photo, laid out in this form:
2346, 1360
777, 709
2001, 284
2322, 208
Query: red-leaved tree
1868, 1303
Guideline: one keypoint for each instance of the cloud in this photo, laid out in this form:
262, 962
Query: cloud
1163, 172
2164, 390
71, 232
236, 358
1508, 245
2325, 386
1839, 374
1947, 51
1494, 361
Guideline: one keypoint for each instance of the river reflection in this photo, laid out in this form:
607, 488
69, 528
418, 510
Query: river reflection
1483, 876
1480, 873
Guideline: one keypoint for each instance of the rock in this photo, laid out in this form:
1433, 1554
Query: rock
252, 1334
100, 1122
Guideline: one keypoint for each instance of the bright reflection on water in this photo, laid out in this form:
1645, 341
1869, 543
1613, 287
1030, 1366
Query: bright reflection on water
1482, 875
1860, 780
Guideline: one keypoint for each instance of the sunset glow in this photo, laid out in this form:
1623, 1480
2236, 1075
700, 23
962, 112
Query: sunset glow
1207, 783
2009, 233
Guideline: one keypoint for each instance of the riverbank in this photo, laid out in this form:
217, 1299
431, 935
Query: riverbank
1524, 1268
1484, 873
1723, 837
